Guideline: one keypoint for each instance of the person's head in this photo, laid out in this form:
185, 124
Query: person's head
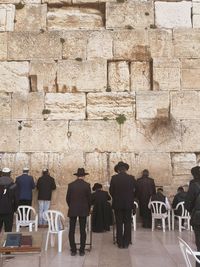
195, 171
180, 189
121, 167
45, 171
81, 173
6, 172
160, 190
25, 170
96, 187
145, 173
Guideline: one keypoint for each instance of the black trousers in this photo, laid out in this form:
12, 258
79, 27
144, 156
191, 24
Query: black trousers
123, 227
7, 221
72, 227
196, 229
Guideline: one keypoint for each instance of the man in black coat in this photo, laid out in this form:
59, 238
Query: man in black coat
122, 189
144, 190
78, 199
179, 197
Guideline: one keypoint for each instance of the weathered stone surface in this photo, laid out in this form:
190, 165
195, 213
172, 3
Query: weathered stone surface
190, 138
9, 1
120, 15
74, 17
7, 15
5, 106
57, 2
8, 160
140, 76
196, 21
91, 1
110, 105
75, 45
66, 106
186, 43
27, 106
131, 45
43, 76
149, 104
9, 141
86, 76
160, 42
166, 74
119, 76
32, 17
31, 45
196, 14
3, 45
100, 45
173, 14
14, 76
190, 74
182, 163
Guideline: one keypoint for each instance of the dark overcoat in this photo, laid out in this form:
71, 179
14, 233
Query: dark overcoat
179, 197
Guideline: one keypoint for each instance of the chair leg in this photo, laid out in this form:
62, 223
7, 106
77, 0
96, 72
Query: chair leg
59, 241
47, 240
134, 223
163, 224
179, 224
169, 223
172, 222
30, 227
153, 224
17, 227
36, 227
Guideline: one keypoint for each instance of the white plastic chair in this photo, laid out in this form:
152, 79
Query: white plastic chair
156, 213
183, 216
22, 218
134, 216
55, 227
188, 252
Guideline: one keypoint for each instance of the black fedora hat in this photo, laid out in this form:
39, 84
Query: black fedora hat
96, 186
121, 164
81, 172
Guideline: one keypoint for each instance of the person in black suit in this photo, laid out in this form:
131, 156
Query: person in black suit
78, 199
122, 189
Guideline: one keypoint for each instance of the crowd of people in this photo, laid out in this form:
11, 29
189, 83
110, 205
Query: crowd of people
124, 189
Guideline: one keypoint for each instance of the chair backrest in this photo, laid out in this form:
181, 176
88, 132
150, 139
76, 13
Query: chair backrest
24, 212
181, 207
54, 219
136, 204
187, 252
157, 207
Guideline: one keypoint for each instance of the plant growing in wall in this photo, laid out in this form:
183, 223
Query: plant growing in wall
121, 118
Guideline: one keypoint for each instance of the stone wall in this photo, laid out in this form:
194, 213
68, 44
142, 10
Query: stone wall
86, 83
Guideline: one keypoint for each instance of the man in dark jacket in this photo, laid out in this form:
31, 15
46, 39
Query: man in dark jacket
145, 188
122, 190
8, 200
45, 185
179, 197
78, 199
192, 204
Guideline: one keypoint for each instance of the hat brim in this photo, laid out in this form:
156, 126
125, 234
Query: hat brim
81, 174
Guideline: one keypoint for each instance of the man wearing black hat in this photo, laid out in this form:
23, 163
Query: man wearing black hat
122, 190
78, 199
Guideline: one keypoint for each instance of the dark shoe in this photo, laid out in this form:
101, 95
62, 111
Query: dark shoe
82, 253
120, 246
73, 253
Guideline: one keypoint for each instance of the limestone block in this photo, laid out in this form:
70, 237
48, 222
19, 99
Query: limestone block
31, 45
52, 133
21, 160
131, 45
196, 8
190, 138
74, 17
32, 2
110, 105
160, 42
186, 43
91, 1
7, 15
43, 75
9, 1
5, 106
66, 106
190, 74
196, 21
173, 14
120, 15
57, 2
118, 76
148, 104
75, 45
32, 17
182, 163
14, 76
27, 106
80, 76
3, 45
166, 74
9, 160
9, 141
94, 135
100, 45
140, 76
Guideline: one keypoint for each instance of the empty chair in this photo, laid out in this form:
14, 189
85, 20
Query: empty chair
184, 215
159, 211
26, 216
134, 216
55, 227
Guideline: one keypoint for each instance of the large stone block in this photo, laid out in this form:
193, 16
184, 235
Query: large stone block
149, 104
196, 21
74, 17
9, 1
120, 15
7, 15
131, 45
190, 138
66, 106
182, 163
61, 2
173, 14
110, 105
3, 45
32, 17
31, 45
140, 76
166, 74
85, 76
119, 76
186, 43
190, 74
5, 106
9, 141
14, 76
